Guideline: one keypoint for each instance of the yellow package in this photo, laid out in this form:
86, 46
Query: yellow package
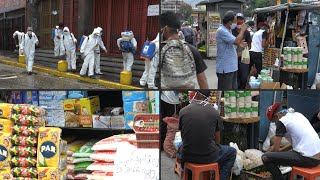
75, 146
6, 126
5, 146
48, 173
5, 175
5, 110
48, 147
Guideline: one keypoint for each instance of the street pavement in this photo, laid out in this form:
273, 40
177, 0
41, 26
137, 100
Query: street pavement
17, 78
167, 167
211, 74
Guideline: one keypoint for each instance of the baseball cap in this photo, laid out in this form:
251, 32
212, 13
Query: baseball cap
271, 110
240, 15
263, 24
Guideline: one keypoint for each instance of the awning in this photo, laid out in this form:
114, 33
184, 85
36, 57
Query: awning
314, 6
215, 1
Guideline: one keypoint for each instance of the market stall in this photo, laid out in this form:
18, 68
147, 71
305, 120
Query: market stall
79, 135
292, 58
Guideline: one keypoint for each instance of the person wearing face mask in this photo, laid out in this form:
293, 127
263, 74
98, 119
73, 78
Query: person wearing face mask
200, 125
304, 148
127, 44
87, 49
68, 45
243, 69
227, 59
19, 36
28, 47
250, 28
57, 40
149, 74
97, 52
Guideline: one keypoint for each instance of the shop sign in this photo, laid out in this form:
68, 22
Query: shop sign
153, 10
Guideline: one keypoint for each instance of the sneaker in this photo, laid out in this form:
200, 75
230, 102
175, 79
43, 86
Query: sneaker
82, 75
29, 73
99, 73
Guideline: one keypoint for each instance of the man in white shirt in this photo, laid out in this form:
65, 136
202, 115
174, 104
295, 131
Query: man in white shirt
259, 42
304, 148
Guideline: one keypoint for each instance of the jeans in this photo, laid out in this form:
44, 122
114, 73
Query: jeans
272, 161
227, 81
256, 59
227, 156
243, 73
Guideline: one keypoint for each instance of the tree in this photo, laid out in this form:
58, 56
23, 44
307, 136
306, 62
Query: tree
185, 10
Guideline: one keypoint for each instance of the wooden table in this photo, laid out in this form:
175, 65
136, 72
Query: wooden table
242, 120
297, 71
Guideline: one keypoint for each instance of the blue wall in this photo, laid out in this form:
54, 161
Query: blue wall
313, 41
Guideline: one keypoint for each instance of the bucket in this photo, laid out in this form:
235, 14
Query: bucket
62, 66
22, 59
126, 77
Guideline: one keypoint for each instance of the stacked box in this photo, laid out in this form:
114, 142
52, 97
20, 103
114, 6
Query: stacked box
27, 120
30, 97
78, 112
15, 97
108, 122
52, 101
134, 102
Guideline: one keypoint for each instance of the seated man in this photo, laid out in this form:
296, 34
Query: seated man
304, 150
200, 126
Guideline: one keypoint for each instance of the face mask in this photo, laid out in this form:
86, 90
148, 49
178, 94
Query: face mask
233, 25
239, 26
65, 33
29, 33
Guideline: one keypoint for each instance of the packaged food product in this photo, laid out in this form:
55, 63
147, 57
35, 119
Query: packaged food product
109, 144
26, 120
85, 150
75, 146
29, 141
5, 110
5, 126
5, 175
63, 147
5, 146
48, 173
28, 109
82, 176
71, 168
82, 166
48, 147
23, 161
23, 151
101, 166
63, 174
82, 160
26, 130
105, 156
24, 172
22, 178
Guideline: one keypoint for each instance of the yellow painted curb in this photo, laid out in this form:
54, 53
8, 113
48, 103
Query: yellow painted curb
105, 83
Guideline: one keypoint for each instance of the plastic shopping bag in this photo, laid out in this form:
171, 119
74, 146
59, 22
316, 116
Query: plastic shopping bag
245, 57
316, 81
238, 163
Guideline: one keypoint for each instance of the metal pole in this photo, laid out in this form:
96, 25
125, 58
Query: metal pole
284, 32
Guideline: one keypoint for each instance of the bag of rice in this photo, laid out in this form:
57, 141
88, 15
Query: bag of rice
71, 168
82, 166
5, 146
29, 141
85, 150
26, 120
81, 160
30, 172
101, 166
105, 156
109, 144
74, 146
81, 176
100, 175
26, 130
28, 109
5, 110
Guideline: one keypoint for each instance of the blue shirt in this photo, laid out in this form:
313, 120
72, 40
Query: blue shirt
227, 59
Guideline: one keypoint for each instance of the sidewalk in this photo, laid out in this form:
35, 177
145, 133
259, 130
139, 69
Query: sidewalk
9, 59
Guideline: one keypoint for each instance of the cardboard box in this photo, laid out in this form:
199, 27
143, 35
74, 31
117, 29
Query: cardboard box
117, 122
55, 118
83, 106
129, 96
77, 94
15, 97
51, 104
273, 85
73, 120
30, 97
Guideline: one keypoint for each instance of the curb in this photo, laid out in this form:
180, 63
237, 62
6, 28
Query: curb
105, 83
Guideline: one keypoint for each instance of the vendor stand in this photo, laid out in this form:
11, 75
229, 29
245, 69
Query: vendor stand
291, 26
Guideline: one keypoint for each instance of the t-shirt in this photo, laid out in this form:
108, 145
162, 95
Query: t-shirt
170, 97
227, 59
256, 45
246, 37
198, 124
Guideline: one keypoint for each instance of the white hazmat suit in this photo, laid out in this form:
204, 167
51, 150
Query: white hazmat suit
20, 38
68, 44
127, 56
29, 48
97, 53
87, 48
57, 42
151, 67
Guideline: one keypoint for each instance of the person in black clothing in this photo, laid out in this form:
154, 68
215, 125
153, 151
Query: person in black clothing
200, 125
243, 69
170, 26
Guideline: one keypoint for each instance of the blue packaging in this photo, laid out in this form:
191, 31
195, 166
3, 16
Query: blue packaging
129, 96
77, 94
148, 51
157, 102
15, 97
30, 97
52, 95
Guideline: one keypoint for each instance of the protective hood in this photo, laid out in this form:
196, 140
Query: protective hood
99, 29
96, 31
128, 34
66, 29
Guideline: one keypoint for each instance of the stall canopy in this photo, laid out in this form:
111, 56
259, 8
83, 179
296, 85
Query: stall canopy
314, 7
216, 1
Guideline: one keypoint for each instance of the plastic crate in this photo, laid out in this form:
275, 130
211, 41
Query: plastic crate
253, 174
148, 144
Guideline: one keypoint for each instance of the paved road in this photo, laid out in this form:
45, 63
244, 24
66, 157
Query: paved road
16, 78
211, 74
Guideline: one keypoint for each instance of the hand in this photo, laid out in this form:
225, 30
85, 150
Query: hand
243, 44
106, 51
244, 27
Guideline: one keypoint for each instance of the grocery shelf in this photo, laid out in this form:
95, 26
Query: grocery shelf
93, 129
242, 120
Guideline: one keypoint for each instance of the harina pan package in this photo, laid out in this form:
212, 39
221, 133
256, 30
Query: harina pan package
5, 156
48, 173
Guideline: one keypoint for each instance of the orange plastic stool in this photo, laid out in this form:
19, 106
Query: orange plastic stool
307, 173
177, 167
196, 169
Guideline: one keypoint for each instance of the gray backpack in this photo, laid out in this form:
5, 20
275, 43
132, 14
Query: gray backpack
178, 69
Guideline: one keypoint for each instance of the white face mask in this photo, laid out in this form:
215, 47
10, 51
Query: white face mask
239, 26
233, 25
29, 33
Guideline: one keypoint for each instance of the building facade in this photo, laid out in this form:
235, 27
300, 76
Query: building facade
171, 5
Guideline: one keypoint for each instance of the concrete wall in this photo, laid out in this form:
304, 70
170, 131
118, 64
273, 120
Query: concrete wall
33, 17
85, 16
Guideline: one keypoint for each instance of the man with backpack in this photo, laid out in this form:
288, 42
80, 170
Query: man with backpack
87, 49
28, 47
58, 32
68, 45
188, 33
19, 36
127, 45
97, 52
181, 63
